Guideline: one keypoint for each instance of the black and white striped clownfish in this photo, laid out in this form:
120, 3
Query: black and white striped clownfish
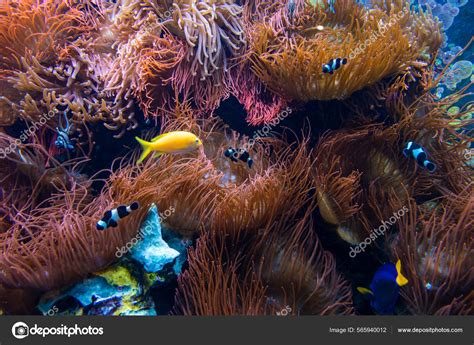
239, 154
333, 65
420, 155
112, 217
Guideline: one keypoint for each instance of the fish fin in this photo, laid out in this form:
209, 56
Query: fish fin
250, 162
135, 205
146, 149
158, 137
158, 154
364, 290
401, 280
107, 216
430, 166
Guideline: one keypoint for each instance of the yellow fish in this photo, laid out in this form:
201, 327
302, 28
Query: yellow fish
172, 142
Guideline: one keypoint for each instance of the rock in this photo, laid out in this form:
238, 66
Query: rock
150, 249
114, 291
180, 244
123, 288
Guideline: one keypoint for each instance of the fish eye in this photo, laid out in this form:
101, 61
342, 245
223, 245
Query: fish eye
197, 141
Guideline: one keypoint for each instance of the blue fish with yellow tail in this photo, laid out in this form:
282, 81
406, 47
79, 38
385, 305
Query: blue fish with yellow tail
420, 155
385, 287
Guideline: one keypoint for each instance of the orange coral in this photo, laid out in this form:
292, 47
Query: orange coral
48, 64
167, 49
435, 244
288, 55
207, 189
283, 268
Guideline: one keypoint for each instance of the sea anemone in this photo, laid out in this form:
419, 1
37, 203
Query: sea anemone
48, 235
184, 48
288, 54
261, 104
208, 190
50, 65
284, 271
214, 33
57, 243
435, 244
353, 192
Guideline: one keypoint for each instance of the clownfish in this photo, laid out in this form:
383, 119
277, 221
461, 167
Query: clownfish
384, 288
333, 65
172, 142
239, 154
111, 218
420, 155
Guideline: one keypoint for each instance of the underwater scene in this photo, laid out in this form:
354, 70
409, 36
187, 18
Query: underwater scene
236, 157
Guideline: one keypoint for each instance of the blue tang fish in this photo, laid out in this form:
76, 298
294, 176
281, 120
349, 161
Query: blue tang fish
384, 288
420, 155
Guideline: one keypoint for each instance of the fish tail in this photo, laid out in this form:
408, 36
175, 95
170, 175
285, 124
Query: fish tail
429, 165
401, 280
146, 149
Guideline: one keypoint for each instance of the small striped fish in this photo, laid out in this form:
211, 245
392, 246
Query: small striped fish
333, 65
112, 217
419, 153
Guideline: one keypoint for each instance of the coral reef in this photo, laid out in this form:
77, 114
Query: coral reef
284, 267
389, 40
207, 190
256, 220
435, 242
50, 66
48, 236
